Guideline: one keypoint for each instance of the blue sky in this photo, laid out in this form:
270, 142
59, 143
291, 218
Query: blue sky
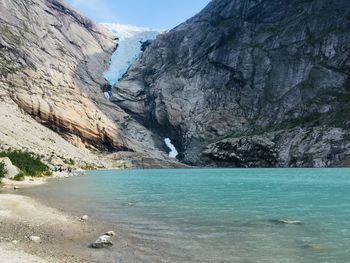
162, 14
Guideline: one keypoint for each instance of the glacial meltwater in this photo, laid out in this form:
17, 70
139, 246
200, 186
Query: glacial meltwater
220, 215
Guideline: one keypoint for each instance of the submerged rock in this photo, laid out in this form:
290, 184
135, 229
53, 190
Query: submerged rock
311, 246
287, 222
290, 222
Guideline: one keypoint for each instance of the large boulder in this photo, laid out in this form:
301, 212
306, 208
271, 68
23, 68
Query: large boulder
12, 170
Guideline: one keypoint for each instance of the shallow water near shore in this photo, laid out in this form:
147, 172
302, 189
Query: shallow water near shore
218, 215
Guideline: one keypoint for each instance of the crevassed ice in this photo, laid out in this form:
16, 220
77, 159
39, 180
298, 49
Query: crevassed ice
130, 39
173, 152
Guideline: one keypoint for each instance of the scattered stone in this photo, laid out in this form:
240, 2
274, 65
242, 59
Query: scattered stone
15, 242
102, 242
15, 188
35, 239
84, 218
110, 233
5, 239
311, 246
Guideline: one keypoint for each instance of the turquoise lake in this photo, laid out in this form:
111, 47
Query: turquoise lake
221, 215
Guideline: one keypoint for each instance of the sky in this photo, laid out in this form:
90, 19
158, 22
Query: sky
159, 14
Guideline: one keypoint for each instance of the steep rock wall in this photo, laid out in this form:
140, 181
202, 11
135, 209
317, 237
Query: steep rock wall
246, 79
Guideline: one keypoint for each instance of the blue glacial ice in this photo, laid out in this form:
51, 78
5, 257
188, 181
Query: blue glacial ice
129, 39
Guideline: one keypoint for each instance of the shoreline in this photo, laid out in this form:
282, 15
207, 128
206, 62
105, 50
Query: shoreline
37, 181
22, 217
64, 237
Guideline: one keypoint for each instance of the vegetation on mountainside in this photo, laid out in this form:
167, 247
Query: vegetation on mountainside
6, 66
29, 163
19, 177
87, 166
9, 35
69, 161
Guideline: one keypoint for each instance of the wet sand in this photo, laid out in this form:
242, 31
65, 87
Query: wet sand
64, 237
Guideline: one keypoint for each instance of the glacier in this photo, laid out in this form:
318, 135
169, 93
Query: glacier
129, 40
173, 152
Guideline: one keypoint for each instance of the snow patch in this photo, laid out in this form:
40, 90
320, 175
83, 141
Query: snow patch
129, 39
173, 152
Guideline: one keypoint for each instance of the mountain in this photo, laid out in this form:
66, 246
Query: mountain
52, 61
249, 83
243, 83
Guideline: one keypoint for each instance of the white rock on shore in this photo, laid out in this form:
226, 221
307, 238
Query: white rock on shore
84, 218
110, 233
35, 239
102, 242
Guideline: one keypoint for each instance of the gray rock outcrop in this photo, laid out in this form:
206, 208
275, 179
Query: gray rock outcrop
249, 83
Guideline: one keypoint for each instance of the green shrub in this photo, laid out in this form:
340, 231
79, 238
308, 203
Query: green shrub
29, 163
3, 170
69, 161
19, 177
47, 173
88, 167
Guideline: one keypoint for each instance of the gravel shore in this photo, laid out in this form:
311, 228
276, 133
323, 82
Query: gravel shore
64, 238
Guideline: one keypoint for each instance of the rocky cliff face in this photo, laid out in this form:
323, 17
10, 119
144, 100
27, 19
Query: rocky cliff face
250, 83
51, 64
